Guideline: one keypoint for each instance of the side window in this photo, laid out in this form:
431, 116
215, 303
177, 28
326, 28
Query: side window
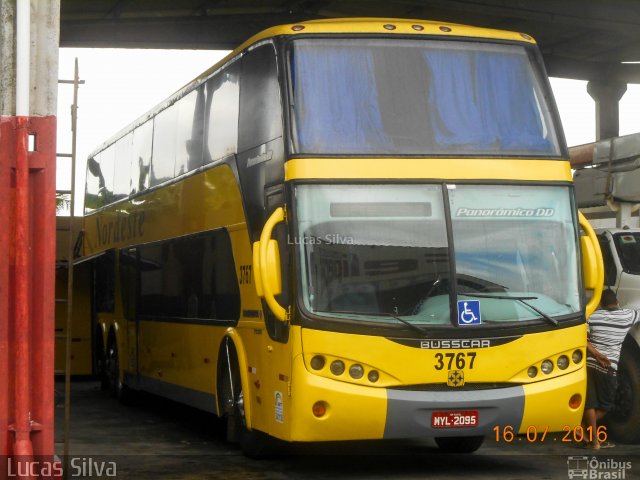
192, 277
189, 131
223, 92
141, 161
105, 282
150, 269
260, 108
164, 146
122, 174
610, 271
100, 171
128, 282
94, 180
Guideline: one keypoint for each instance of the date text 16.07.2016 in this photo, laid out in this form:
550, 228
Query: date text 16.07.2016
538, 434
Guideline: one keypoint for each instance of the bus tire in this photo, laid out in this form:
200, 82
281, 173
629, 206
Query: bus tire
119, 390
254, 444
459, 444
622, 422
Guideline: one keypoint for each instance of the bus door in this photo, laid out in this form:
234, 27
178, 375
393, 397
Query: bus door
276, 356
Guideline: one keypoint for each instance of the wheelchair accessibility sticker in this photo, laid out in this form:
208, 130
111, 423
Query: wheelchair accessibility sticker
469, 312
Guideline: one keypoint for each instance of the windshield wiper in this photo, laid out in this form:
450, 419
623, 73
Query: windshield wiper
385, 314
522, 300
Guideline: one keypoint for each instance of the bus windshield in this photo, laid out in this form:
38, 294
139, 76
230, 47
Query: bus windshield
371, 252
418, 97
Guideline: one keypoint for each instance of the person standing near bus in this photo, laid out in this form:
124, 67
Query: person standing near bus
607, 329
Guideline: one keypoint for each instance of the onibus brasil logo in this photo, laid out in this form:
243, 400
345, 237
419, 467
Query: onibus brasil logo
597, 468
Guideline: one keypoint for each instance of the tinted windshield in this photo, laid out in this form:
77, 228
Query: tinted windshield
385, 251
417, 97
628, 245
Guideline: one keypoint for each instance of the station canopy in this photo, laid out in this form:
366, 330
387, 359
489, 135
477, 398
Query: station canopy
596, 40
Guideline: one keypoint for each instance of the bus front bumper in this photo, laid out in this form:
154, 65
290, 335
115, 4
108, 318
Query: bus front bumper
355, 412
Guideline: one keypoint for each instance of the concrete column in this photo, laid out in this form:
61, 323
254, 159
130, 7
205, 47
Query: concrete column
45, 28
607, 96
7, 57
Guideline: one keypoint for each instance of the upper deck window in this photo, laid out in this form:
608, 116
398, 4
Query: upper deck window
418, 97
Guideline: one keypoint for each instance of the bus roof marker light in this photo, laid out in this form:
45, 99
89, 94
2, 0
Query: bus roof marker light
445, 29
388, 26
526, 37
418, 28
297, 28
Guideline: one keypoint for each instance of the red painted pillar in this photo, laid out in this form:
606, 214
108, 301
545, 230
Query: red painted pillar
27, 276
43, 266
21, 426
7, 254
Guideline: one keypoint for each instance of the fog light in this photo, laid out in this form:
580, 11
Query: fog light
577, 356
563, 362
317, 362
373, 376
547, 366
319, 409
532, 372
575, 401
356, 371
337, 367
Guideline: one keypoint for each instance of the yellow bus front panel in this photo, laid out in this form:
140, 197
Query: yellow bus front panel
402, 402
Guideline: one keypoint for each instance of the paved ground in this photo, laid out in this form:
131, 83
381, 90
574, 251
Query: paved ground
159, 439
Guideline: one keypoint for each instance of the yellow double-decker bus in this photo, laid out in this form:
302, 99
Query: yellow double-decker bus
349, 229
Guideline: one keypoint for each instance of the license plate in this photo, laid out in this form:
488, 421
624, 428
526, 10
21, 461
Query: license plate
461, 419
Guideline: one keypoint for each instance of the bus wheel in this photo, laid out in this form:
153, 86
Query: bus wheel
459, 444
254, 444
623, 421
112, 366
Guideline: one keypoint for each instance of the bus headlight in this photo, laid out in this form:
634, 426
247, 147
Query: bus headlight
373, 376
356, 371
532, 372
337, 367
547, 367
577, 356
317, 362
563, 362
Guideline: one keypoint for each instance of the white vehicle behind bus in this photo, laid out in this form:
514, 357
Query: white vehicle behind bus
607, 183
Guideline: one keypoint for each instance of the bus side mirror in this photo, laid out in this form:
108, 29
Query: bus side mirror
272, 264
266, 266
592, 265
589, 267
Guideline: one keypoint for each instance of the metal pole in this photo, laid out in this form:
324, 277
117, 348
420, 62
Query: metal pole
23, 448
23, 56
67, 372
